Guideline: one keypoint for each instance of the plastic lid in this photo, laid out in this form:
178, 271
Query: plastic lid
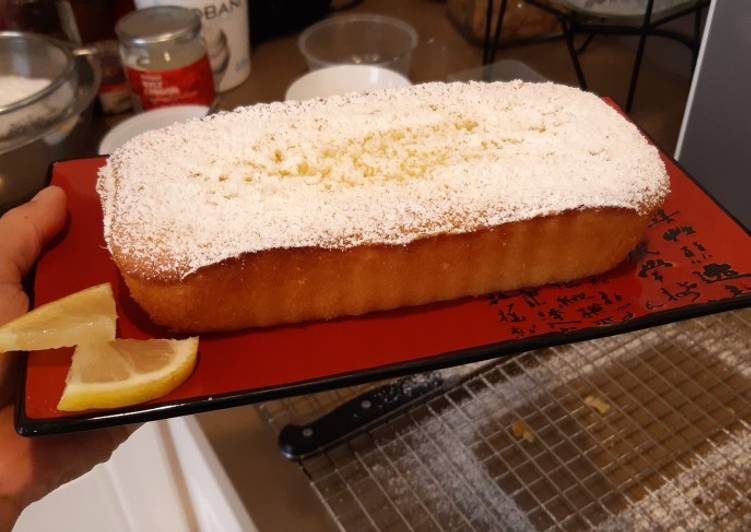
158, 24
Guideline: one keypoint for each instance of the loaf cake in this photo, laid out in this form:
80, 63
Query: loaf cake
288, 212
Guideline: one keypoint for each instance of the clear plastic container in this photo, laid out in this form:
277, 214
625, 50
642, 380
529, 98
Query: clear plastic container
359, 39
504, 70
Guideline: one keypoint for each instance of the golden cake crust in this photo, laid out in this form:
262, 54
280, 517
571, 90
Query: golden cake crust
293, 285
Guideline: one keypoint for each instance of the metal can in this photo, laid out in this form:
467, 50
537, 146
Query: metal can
164, 57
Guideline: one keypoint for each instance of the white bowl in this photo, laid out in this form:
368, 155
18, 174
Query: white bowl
342, 79
148, 120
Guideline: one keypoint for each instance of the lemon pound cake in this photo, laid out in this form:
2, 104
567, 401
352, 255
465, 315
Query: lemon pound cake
286, 212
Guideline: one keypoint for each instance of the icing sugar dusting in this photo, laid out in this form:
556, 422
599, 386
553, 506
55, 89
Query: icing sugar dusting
14, 89
382, 168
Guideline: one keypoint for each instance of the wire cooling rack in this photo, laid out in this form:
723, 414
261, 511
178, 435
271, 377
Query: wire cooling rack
643, 431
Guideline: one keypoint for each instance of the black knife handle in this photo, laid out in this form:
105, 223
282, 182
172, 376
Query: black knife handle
301, 441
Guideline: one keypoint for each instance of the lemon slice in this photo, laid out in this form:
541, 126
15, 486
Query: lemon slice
126, 372
86, 316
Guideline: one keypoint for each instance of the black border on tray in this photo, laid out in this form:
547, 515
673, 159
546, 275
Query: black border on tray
26, 426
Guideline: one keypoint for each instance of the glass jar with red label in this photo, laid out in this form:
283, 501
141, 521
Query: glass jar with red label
165, 58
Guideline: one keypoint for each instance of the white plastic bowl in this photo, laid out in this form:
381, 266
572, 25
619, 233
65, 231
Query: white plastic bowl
342, 79
148, 120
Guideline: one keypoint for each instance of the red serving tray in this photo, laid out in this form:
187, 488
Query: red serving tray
695, 260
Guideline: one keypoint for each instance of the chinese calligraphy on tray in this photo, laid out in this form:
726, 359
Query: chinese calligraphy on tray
673, 267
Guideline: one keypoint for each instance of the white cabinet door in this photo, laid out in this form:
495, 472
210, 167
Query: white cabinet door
165, 477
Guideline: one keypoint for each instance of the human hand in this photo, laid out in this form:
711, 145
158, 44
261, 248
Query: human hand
33, 467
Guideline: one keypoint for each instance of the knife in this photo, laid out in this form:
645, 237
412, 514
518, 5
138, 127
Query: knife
368, 409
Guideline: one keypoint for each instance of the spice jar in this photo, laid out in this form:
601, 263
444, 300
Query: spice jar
165, 58
114, 92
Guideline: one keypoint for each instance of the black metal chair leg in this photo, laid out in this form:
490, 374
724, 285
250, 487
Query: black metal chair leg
639, 54
486, 42
568, 32
498, 30
586, 43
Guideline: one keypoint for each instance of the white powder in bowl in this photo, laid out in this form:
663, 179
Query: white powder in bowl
29, 118
15, 88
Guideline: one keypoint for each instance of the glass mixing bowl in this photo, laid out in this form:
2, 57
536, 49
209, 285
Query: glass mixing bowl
48, 125
34, 56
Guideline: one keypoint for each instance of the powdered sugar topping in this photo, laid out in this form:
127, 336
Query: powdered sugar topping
16, 88
384, 168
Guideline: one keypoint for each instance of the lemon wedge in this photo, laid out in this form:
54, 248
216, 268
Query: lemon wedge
120, 372
85, 316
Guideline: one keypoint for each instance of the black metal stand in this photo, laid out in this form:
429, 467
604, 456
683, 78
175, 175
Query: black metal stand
645, 27
574, 23
490, 48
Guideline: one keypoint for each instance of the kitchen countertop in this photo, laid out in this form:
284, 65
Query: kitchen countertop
275, 64
660, 99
